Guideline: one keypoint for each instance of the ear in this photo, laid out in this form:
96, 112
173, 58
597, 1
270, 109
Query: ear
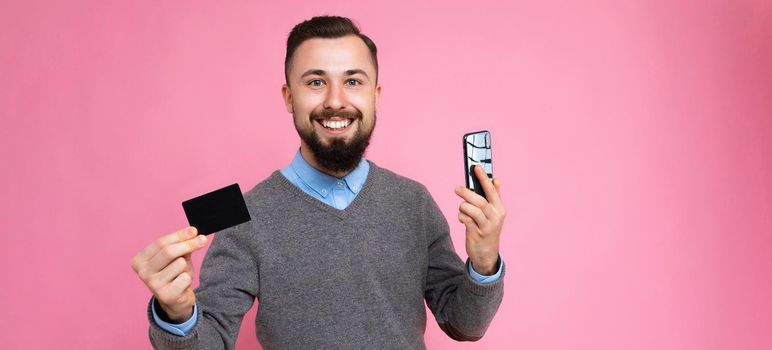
377, 93
286, 94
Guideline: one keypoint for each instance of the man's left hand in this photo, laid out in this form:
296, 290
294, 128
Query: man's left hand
483, 219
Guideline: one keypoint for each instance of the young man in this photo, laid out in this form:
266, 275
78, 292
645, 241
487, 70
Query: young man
340, 252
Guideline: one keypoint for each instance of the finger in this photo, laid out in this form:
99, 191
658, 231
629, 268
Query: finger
178, 236
491, 213
189, 262
174, 251
468, 222
499, 205
490, 191
473, 212
471, 197
168, 274
463, 218
172, 293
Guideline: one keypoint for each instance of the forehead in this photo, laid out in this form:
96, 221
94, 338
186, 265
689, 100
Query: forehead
332, 55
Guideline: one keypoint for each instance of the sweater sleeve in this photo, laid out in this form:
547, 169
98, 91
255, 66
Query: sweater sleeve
228, 288
463, 307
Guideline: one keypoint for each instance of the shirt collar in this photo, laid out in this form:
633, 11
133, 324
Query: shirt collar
322, 183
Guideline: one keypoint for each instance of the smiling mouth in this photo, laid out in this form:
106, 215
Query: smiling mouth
335, 123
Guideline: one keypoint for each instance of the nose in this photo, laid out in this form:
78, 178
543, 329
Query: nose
336, 97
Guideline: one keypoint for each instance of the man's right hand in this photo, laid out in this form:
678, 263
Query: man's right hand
167, 270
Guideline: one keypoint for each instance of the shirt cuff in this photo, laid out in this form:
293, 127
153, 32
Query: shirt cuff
486, 279
181, 329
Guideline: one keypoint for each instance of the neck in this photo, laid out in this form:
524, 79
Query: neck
309, 157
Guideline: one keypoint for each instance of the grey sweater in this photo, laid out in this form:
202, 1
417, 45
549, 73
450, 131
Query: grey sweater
336, 279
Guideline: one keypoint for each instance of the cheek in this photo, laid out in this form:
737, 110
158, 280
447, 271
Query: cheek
366, 104
304, 104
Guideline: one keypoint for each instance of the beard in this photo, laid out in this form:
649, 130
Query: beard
339, 155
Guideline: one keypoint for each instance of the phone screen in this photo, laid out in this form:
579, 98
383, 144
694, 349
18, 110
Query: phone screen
477, 151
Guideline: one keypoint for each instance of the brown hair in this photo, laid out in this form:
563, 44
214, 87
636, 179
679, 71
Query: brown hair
329, 27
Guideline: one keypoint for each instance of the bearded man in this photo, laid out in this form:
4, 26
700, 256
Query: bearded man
340, 253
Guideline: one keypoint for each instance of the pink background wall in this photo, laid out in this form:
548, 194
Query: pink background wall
633, 139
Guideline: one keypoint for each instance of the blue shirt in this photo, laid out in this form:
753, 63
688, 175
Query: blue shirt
338, 193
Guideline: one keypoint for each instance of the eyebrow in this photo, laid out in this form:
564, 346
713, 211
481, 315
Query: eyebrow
312, 72
322, 72
357, 71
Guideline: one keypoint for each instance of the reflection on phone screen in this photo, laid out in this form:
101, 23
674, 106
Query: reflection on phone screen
478, 152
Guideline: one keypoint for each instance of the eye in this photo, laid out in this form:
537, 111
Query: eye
353, 82
315, 83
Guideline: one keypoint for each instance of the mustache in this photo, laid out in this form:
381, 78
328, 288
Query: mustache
328, 113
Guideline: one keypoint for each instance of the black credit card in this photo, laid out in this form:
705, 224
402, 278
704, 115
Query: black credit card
217, 210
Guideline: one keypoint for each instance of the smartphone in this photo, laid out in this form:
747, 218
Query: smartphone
477, 151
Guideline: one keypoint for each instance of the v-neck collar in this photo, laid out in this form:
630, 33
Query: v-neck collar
364, 192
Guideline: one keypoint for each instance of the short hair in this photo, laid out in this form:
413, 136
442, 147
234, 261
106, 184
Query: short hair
329, 27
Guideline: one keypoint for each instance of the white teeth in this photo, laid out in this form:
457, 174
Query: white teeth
338, 124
